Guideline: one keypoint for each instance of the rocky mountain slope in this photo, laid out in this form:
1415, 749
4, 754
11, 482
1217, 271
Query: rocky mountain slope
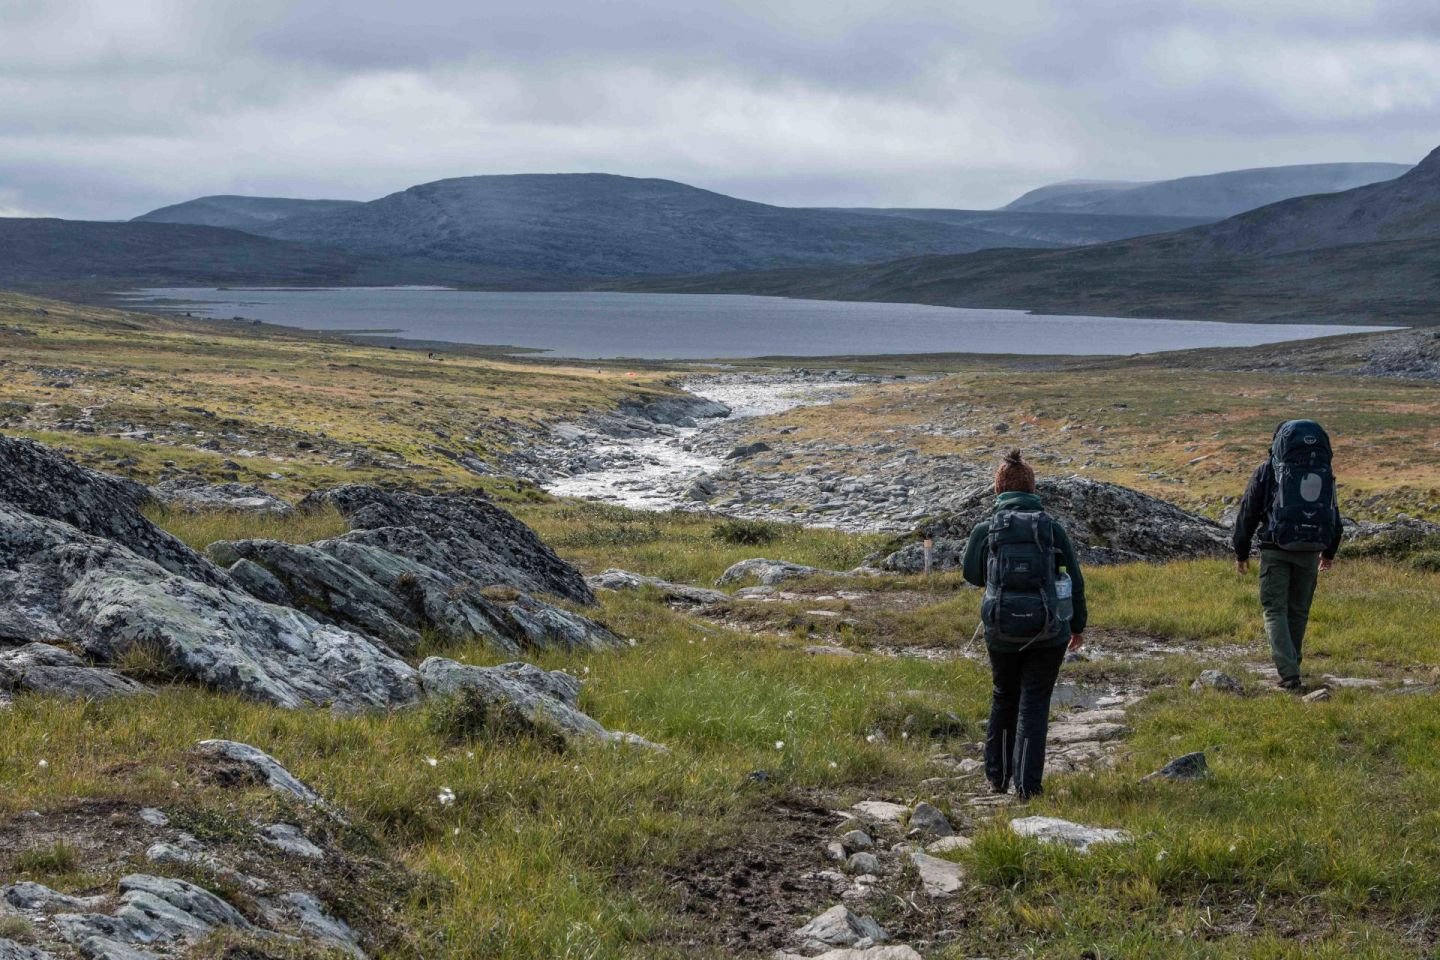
599, 225
239, 213
1365, 254
1212, 196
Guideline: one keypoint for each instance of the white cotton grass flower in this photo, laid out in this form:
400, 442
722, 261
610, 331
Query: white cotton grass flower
43, 764
834, 765
869, 738
432, 762
779, 744
445, 797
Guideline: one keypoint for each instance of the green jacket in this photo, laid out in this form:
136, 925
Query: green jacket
978, 549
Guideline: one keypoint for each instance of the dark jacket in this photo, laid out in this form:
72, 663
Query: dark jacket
977, 553
1255, 515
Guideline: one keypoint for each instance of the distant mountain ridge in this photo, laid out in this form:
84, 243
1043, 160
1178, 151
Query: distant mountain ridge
596, 225
1064, 229
1212, 196
1367, 254
239, 213
38, 253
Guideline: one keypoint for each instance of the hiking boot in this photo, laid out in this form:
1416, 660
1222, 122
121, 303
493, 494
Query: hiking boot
1291, 684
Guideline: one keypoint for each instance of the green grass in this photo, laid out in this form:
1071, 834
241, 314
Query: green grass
1315, 835
545, 853
200, 528
683, 547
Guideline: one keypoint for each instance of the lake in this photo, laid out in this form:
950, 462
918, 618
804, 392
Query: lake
697, 326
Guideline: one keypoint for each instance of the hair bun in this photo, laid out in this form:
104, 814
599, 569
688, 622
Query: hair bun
1014, 458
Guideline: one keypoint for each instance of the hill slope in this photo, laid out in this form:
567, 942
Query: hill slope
40, 253
1065, 229
1366, 254
239, 213
599, 225
1212, 196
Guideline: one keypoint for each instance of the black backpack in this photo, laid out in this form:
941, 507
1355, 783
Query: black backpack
1302, 504
1022, 605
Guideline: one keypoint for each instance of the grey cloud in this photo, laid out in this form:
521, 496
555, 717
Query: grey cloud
108, 109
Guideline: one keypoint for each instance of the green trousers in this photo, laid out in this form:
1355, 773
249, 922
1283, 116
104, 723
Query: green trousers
1287, 586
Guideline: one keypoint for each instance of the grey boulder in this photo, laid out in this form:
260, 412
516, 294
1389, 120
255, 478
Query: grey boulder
36, 480
109, 601
193, 493
1106, 522
679, 593
264, 767
549, 698
51, 671
838, 927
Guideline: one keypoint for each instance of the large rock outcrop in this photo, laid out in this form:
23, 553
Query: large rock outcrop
1106, 522
423, 570
474, 538
39, 481
58, 582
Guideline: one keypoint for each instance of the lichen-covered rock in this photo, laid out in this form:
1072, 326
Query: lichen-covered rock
486, 545
109, 600
1106, 522
51, 671
265, 768
193, 493
36, 480
838, 927
1078, 836
371, 581
768, 573
10, 950
616, 579
548, 697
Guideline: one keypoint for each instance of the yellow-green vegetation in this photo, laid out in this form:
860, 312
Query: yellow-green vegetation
1189, 436
138, 394
1315, 836
200, 528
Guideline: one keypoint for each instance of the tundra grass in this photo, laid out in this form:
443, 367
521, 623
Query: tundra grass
542, 854
312, 409
200, 528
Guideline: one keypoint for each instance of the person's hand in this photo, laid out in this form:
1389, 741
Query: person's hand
1077, 640
1242, 566
1326, 563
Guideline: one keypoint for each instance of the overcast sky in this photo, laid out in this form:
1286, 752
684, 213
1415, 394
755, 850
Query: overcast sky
109, 108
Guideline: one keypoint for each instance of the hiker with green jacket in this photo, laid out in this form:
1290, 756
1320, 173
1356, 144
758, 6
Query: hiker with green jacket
1292, 505
1033, 611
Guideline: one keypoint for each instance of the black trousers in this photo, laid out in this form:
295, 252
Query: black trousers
1020, 716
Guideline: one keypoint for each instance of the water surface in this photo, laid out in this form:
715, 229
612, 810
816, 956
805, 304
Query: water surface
699, 326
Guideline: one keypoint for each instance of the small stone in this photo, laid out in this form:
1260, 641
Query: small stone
1191, 766
835, 850
290, 839
863, 863
1055, 830
1317, 696
156, 818
838, 927
949, 844
1216, 680
941, 878
857, 840
927, 820
881, 811
1351, 683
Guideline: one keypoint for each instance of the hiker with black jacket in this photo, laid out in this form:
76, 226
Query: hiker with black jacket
1033, 611
1291, 503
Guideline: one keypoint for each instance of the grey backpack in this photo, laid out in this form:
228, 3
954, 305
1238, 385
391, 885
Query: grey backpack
1023, 602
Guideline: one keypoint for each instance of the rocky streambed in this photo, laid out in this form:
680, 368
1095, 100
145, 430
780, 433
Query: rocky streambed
673, 454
